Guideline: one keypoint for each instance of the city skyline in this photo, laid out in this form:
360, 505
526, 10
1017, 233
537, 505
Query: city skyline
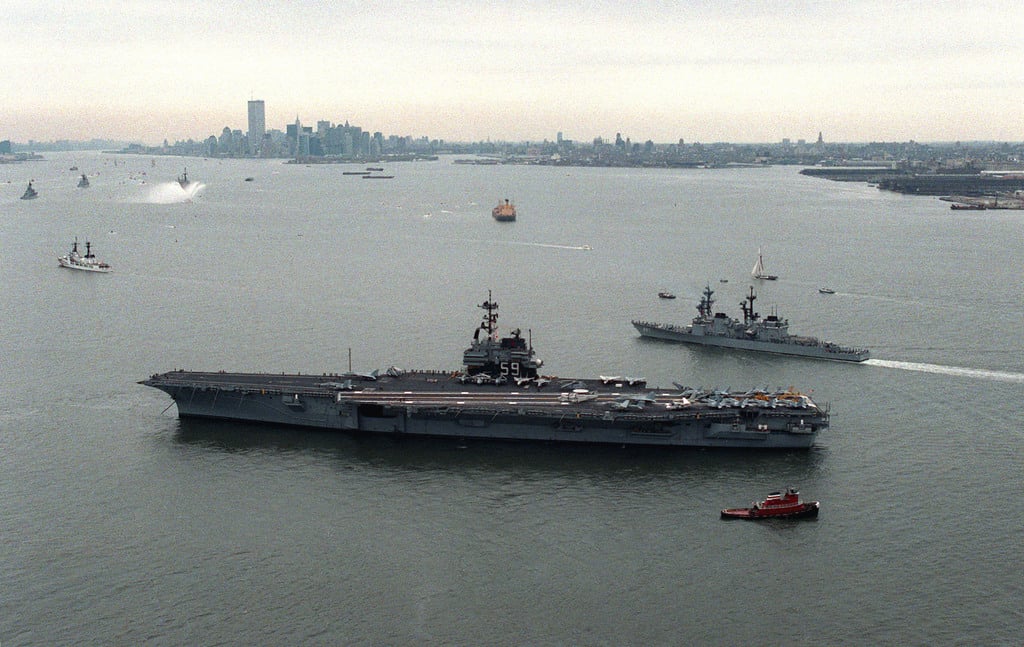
744, 72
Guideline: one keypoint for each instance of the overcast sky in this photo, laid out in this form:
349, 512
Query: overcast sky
720, 70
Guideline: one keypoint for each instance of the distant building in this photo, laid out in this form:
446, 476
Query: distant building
323, 127
224, 142
257, 125
294, 131
301, 138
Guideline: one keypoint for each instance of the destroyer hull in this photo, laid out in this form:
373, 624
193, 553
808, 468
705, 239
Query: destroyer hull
676, 334
431, 404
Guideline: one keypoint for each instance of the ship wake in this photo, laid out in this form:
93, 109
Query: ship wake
549, 245
171, 193
978, 373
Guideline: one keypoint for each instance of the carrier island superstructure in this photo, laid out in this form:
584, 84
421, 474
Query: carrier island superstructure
500, 393
768, 335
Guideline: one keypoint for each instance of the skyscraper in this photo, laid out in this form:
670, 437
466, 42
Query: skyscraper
257, 126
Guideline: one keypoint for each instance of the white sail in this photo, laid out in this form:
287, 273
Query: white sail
758, 271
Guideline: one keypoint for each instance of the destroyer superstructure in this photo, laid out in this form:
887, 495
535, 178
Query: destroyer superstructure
769, 334
500, 393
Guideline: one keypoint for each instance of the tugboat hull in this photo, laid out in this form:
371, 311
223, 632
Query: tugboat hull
805, 511
777, 505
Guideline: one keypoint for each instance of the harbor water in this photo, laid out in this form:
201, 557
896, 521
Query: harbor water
124, 525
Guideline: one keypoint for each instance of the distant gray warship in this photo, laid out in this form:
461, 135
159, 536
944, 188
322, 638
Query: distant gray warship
769, 335
500, 394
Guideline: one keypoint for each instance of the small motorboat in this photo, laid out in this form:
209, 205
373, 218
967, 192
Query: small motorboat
666, 295
30, 193
777, 505
826, 290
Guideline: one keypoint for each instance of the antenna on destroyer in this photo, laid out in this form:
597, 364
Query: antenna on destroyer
748, 307
491, 318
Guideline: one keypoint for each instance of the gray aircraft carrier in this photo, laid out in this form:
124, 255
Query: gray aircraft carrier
767, 335
501, 394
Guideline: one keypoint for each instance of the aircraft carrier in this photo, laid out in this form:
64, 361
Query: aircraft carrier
769, 334
500, 393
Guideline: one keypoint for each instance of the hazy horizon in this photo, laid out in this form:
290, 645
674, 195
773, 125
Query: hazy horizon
698, 71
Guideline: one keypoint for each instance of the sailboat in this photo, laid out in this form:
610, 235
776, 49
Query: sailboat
758, 272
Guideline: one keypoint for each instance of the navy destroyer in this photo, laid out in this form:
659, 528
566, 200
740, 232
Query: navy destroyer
500, 393
769, 334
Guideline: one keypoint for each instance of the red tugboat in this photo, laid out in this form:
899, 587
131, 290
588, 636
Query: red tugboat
776, 505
